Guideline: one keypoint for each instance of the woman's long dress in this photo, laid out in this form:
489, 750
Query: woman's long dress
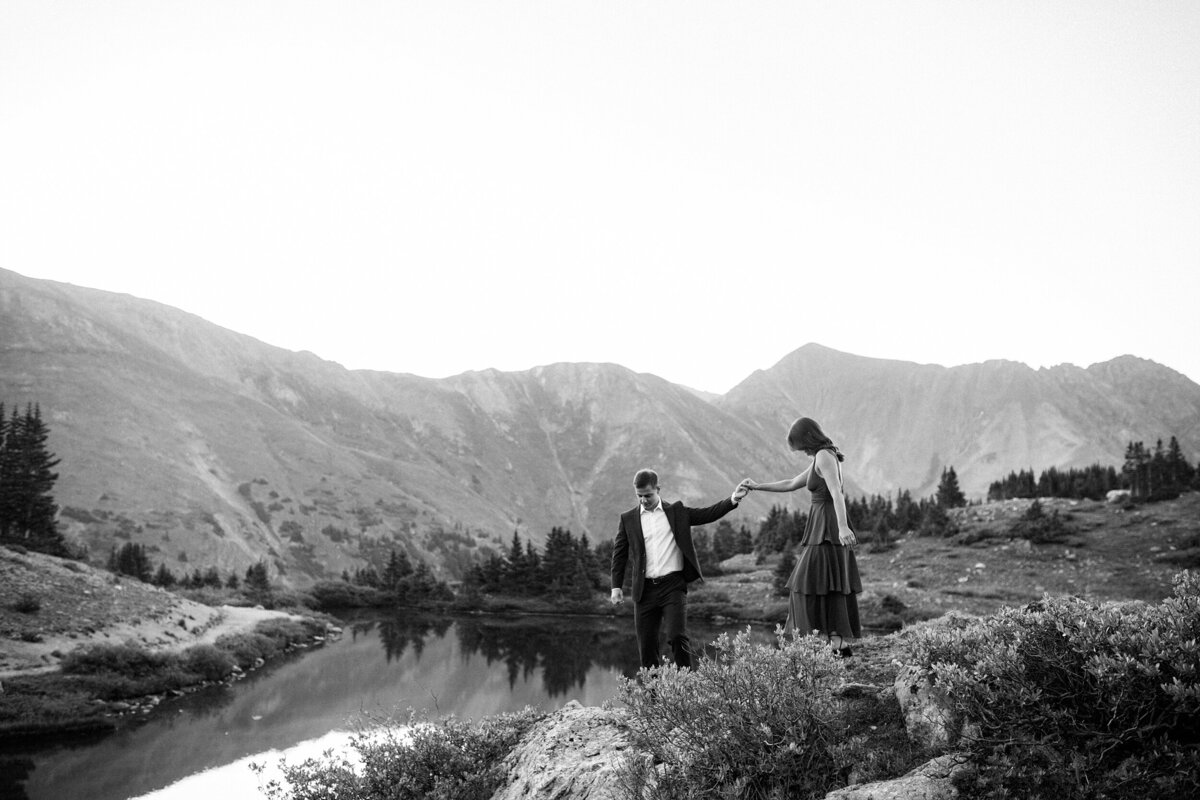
825, 583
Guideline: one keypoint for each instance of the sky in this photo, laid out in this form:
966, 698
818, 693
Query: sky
692, 189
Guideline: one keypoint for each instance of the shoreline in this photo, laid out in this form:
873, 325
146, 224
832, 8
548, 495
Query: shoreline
45, 713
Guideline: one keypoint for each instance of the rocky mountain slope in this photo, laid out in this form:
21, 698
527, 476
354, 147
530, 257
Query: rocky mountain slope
902, 423
213, 448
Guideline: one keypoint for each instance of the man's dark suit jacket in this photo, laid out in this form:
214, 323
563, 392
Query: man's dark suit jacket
631, 544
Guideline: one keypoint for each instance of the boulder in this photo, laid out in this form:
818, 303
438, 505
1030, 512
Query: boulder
933, 780
573, 753
928, 716
1118, 495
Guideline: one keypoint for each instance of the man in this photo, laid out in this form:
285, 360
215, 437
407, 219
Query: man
657, 537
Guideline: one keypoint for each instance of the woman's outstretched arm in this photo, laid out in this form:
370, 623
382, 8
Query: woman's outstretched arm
786, 485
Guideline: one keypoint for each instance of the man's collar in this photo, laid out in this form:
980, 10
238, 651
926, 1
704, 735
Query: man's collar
658, 507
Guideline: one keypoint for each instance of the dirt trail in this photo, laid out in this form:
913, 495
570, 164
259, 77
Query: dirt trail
49, 606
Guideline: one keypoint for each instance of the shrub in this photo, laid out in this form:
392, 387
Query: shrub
936, 522
444, 760
1039, 527
128, 660
751, 720
709, 603
27, 603
246, 648
207, 661
1074, 699
118, 671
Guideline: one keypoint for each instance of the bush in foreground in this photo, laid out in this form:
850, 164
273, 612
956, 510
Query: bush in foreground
1071, 699
444, 760
751, 720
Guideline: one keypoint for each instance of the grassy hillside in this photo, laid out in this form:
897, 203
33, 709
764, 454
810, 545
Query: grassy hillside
1106, 552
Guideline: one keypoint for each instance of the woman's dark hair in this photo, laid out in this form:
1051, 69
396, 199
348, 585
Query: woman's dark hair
807, 435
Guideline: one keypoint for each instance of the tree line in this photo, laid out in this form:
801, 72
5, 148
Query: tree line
1158, 474
400, 581
132, 559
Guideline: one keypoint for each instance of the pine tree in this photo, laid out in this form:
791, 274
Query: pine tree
164, 577
1179, 471
27, 508
131, 560
745, 540
212, 578
516, 568
258, 580
398, 568
948, 493
558, 561
587, 560
783, 572
723, 541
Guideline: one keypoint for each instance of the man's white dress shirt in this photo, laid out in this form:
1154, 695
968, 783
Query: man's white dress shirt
662, 554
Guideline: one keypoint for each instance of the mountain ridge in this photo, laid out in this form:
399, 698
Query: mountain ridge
212, 447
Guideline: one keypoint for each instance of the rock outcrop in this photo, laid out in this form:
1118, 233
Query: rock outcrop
578, 752
574, 753
932, 780
928, 717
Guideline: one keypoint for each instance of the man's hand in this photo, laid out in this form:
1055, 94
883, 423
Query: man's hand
616, 597
741, 491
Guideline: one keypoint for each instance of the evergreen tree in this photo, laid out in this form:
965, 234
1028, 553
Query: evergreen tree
948, 493
532, 582
908, 512
212, 578
782, 572
27, 477
745, 540
131, 560
164, 577
516, 568
724, 543
936, 522
398, 568
492, 574
1179, 471
589, 564
558, 560
258, 580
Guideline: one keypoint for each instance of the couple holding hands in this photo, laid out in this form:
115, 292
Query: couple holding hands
657, 538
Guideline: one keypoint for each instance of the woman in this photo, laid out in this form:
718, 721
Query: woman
825, 583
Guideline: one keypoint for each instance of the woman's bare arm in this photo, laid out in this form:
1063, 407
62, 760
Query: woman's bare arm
827, 467
786, 485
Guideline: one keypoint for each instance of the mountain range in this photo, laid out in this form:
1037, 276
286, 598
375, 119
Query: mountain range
213, 448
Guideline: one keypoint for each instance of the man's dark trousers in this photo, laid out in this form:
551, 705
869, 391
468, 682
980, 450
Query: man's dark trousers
663, 608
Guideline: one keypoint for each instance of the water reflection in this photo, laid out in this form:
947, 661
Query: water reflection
471, 667
563, 649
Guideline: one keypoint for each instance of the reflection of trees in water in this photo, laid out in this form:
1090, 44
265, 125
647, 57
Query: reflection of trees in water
402, 631
565, 649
